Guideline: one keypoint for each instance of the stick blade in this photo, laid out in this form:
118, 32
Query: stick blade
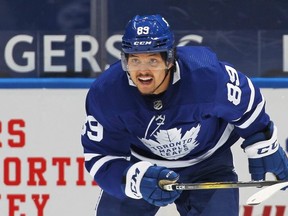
265, 193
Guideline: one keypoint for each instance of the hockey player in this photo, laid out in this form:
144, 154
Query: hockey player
166, 113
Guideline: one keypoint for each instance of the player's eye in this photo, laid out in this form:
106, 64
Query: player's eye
153, 62
134, 61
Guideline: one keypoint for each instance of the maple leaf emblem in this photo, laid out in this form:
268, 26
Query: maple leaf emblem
170, 144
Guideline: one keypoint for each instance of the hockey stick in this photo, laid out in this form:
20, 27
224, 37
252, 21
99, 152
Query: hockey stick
255, 199
214, 185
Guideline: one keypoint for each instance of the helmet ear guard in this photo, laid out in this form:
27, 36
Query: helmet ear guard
170, 57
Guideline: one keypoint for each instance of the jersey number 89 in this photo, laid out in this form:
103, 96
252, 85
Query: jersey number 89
93, 128
233, 90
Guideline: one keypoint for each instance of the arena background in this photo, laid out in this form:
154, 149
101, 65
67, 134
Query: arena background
51, 51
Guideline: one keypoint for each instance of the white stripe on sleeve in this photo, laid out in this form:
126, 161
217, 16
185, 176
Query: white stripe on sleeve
97, 165
254, 115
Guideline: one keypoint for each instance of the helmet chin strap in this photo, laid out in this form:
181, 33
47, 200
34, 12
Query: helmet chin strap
166, 74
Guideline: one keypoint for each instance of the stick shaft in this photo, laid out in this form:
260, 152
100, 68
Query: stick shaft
216, 185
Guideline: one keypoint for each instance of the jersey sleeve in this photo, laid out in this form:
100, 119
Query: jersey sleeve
106, 144
240, 102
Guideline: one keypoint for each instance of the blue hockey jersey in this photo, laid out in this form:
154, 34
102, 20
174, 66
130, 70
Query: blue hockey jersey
206, 108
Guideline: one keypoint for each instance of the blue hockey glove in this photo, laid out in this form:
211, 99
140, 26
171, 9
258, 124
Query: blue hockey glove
266, 155
150, 189
142, 181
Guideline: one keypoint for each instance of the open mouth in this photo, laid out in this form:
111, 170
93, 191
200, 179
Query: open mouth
145, 80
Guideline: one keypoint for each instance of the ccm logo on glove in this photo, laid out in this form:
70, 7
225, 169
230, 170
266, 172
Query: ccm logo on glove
266, 149
134, 176
134, 181
257, 146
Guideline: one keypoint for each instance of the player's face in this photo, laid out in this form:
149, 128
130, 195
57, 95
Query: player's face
147, 71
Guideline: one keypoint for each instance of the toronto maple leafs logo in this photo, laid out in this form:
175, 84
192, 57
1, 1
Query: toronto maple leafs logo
171, 144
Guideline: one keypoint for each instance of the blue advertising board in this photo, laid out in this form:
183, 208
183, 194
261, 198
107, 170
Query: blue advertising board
81, 38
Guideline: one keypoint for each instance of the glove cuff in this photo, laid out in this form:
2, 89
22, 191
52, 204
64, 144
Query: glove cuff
263, 148
134, 176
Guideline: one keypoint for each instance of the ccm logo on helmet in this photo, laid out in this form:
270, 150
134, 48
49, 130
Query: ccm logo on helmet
141, 43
